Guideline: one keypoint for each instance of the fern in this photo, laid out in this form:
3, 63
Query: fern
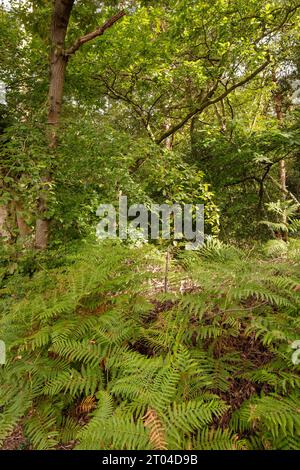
210, 368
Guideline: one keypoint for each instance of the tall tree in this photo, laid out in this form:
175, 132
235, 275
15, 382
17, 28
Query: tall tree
59, 57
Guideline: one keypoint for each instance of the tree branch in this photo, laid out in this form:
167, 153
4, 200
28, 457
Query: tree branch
243, 180
241, 83
191, 114
92, 35
114, 94
208, 102
285, 191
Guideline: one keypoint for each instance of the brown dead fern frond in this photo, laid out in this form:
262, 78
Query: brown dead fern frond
156, 430
86, 405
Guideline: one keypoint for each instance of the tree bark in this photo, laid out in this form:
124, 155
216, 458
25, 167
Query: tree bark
60, 20
169, 140
23, 229
279, 116
3, 221
278, 102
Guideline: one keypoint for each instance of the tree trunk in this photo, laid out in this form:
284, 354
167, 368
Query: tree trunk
3, 221
169, 140
193, 140
58, 62
23, 229
278, 101
282, 166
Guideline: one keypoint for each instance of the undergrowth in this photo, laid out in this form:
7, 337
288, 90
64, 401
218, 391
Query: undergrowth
97, 356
